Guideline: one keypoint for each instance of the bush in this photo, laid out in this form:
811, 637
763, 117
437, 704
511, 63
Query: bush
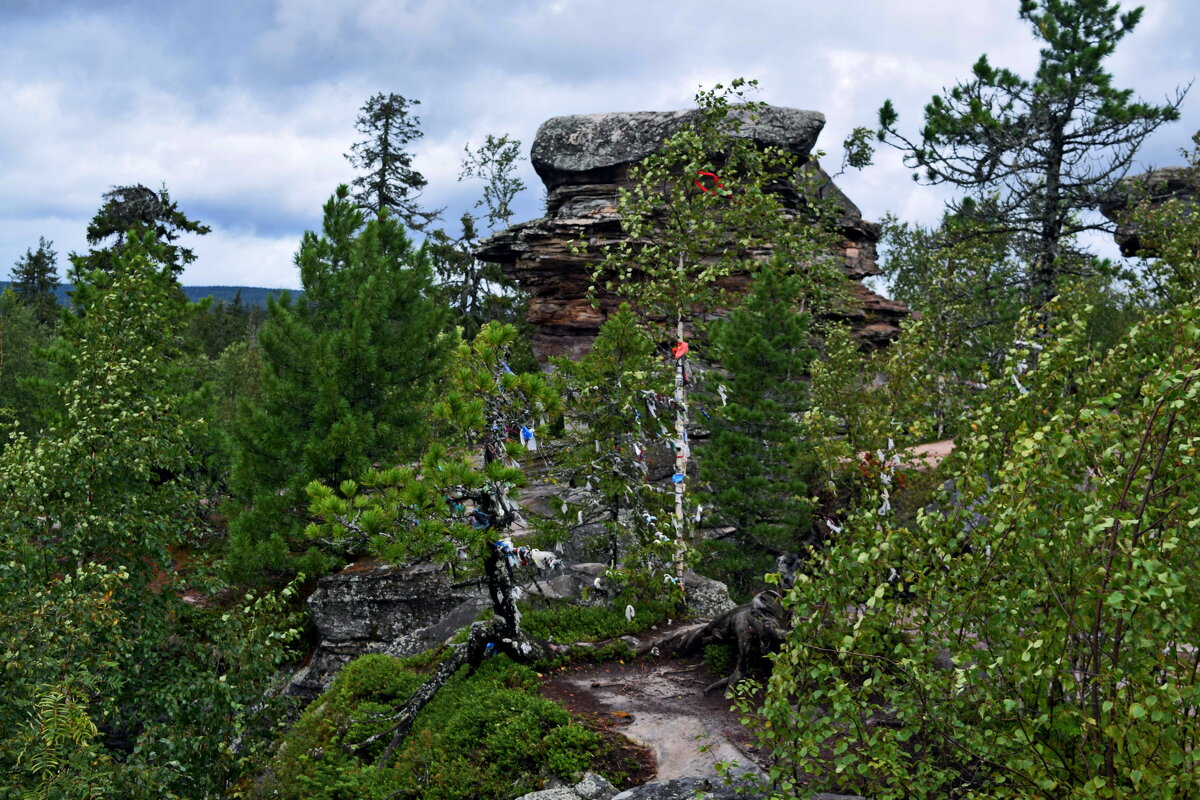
1038, 637
487, 735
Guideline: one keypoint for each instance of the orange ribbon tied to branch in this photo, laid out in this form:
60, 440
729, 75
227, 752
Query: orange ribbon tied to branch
680, 349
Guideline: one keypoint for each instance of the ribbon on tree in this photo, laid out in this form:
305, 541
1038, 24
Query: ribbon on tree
528, 438
680, 350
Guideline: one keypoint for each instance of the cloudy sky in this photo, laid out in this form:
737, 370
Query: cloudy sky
244, 108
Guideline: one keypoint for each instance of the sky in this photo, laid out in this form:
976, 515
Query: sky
244, 109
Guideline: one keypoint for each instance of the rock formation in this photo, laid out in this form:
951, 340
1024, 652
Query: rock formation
584, 160
377, 608
1154, 187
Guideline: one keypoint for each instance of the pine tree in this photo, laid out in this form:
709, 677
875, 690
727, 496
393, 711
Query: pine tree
459, 498
389, 183
35, 280
347, 374
1047, 150
754, 460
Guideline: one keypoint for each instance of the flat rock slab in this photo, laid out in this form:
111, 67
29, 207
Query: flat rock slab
663, 706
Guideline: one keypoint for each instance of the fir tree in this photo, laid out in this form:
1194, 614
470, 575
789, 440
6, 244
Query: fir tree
347, 373
35, 281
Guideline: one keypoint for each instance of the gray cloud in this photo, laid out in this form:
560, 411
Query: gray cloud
244, 109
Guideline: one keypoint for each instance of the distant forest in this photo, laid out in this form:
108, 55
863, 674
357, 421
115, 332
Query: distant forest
251, 295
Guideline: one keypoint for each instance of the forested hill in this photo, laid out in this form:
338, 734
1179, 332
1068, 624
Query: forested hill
251, 295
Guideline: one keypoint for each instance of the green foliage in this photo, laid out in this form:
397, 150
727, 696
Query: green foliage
1046, 150
347, 373
22, 366
720, 658
485, 735
568, 623
35, 281
460, 497
1169, 229
479, 291
215, 326
610, 437
755, 460
114, 685
681, 241
1033, 637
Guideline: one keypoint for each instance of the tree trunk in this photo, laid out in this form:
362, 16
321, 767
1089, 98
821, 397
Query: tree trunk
681, 445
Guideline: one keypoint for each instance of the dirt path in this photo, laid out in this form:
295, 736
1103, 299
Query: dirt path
660, 703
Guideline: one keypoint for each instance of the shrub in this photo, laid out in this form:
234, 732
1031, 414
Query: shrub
487, 735
1037, 640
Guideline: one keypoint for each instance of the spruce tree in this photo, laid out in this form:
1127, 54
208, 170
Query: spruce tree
347, 374
35, 281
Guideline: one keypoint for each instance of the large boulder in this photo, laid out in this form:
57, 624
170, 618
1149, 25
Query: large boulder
585, 148
584, 161
377, 608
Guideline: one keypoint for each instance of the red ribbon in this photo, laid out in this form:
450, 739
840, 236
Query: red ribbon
712, 175
680, 349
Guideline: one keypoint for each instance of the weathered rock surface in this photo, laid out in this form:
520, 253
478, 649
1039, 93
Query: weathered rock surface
401, 611
704, 789
376, 608
1154, 187
584, 161
585, 148
592, 787
706, 598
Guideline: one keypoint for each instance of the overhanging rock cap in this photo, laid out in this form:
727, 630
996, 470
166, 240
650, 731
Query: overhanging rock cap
588, 143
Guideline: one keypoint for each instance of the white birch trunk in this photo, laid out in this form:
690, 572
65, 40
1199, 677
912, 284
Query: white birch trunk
681, 444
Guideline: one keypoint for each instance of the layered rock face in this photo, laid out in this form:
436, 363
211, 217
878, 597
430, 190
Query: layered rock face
1155, 187
584, 160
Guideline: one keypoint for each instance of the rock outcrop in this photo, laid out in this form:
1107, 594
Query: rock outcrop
592, 787
377, 608
401, 611
1158, 186
584, 160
